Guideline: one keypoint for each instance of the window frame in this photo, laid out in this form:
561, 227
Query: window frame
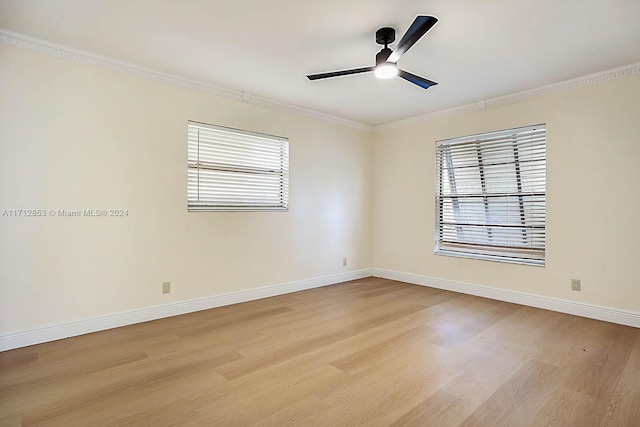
508, 254
238, 170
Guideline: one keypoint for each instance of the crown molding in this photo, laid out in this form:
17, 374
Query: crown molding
76, 55
81, 56
588, 80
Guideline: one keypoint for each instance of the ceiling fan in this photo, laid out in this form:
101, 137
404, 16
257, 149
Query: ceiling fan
386, 59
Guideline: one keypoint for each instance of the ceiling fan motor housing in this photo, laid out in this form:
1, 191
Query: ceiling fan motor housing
385, 36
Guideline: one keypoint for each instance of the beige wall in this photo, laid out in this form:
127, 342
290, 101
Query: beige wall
593, 198
78, 137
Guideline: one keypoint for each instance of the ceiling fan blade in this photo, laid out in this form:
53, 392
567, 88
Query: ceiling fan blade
420, 26
416, 80
339, 73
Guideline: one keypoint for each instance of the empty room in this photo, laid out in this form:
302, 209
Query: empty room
271, 213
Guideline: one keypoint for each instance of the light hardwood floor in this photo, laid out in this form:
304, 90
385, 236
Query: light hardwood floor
367, 352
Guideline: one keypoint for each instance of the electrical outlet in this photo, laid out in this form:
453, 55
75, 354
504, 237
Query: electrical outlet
344, 262
575, 285
166, 287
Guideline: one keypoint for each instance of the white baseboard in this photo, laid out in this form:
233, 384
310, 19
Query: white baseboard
85, 326
607, 314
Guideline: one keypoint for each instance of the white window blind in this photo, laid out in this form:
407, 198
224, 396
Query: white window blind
491, 196
236, 170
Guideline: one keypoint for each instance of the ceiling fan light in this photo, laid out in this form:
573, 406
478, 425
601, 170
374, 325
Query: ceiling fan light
386, 70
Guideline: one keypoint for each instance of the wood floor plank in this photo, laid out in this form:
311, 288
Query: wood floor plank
441, 409
386, 390
334, 315
624, 405
303, 344
519, 399
367, 352
484, 372
303, 412
161, 414
364, 358
9, 420
122, 398
45, 395
245, 407
10, 361
219, 322
566, 407
44, 374
600, 358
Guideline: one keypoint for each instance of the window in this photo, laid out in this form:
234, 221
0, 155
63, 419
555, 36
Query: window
236, 170
491, 196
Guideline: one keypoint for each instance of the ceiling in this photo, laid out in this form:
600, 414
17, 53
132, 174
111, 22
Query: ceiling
478, 50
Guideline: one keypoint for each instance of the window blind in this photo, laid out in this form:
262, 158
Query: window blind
236, 170
491, 195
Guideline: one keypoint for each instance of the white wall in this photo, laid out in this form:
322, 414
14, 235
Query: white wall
74, 136
593, 196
